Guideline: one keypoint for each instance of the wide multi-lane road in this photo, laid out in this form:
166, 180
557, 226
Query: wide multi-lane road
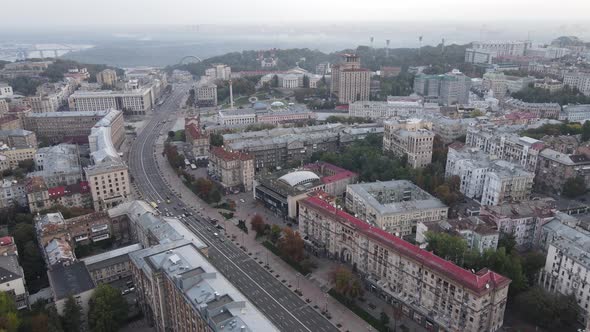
283, 307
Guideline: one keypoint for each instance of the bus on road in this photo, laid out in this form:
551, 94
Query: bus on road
154, 205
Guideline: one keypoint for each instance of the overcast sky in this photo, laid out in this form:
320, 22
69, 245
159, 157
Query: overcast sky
83, 12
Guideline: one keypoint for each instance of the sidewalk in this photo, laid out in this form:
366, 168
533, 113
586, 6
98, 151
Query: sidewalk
312, 289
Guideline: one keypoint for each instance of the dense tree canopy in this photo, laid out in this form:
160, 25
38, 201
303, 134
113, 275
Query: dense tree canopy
552, 311
9, 320
108, 309
565, 96
72, 315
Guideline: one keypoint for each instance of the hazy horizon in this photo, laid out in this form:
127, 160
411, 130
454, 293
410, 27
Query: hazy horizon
73, 12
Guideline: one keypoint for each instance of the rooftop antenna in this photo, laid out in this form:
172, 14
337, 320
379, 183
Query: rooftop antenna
387, 47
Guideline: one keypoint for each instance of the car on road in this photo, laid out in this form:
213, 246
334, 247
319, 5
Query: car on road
242, 200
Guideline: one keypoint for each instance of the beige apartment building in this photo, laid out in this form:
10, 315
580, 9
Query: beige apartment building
234, 170
433, 292
109, 185
350, 82
14, 156
412, 138
107, 77
132, 102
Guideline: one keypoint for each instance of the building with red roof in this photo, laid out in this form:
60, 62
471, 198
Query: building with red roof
198, 139
8, 246
334, 178
432, 291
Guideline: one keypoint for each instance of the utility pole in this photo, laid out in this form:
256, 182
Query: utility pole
420, 46
231, 96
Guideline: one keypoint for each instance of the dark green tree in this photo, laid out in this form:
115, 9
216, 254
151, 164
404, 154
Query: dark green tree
447, 246
72, 316
305, 81
586, 131
9, 319
108, 309
574, 187
216, 139
552, 311
54, 321
384, 318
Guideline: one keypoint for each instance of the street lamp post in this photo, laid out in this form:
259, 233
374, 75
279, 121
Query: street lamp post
297, 276
326, 297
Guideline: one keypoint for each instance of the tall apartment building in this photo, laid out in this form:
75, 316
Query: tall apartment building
507, 146
133, 102
350, 82
73, 126
497, 82
580, 81
394, 206
412, 138
448, 89
506, 182
108, 176
234, 170
107, 78
567, 267
219, 71
433, 292
206, 94
490, 181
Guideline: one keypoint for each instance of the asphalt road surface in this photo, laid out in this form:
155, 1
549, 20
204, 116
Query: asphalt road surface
284, 308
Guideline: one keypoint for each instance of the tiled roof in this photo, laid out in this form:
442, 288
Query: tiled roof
228, 155
479, 282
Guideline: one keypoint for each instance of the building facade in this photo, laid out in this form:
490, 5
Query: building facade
234, 170
506, 146
433, 292
448, 89
349, 81
412, 138
395, 206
